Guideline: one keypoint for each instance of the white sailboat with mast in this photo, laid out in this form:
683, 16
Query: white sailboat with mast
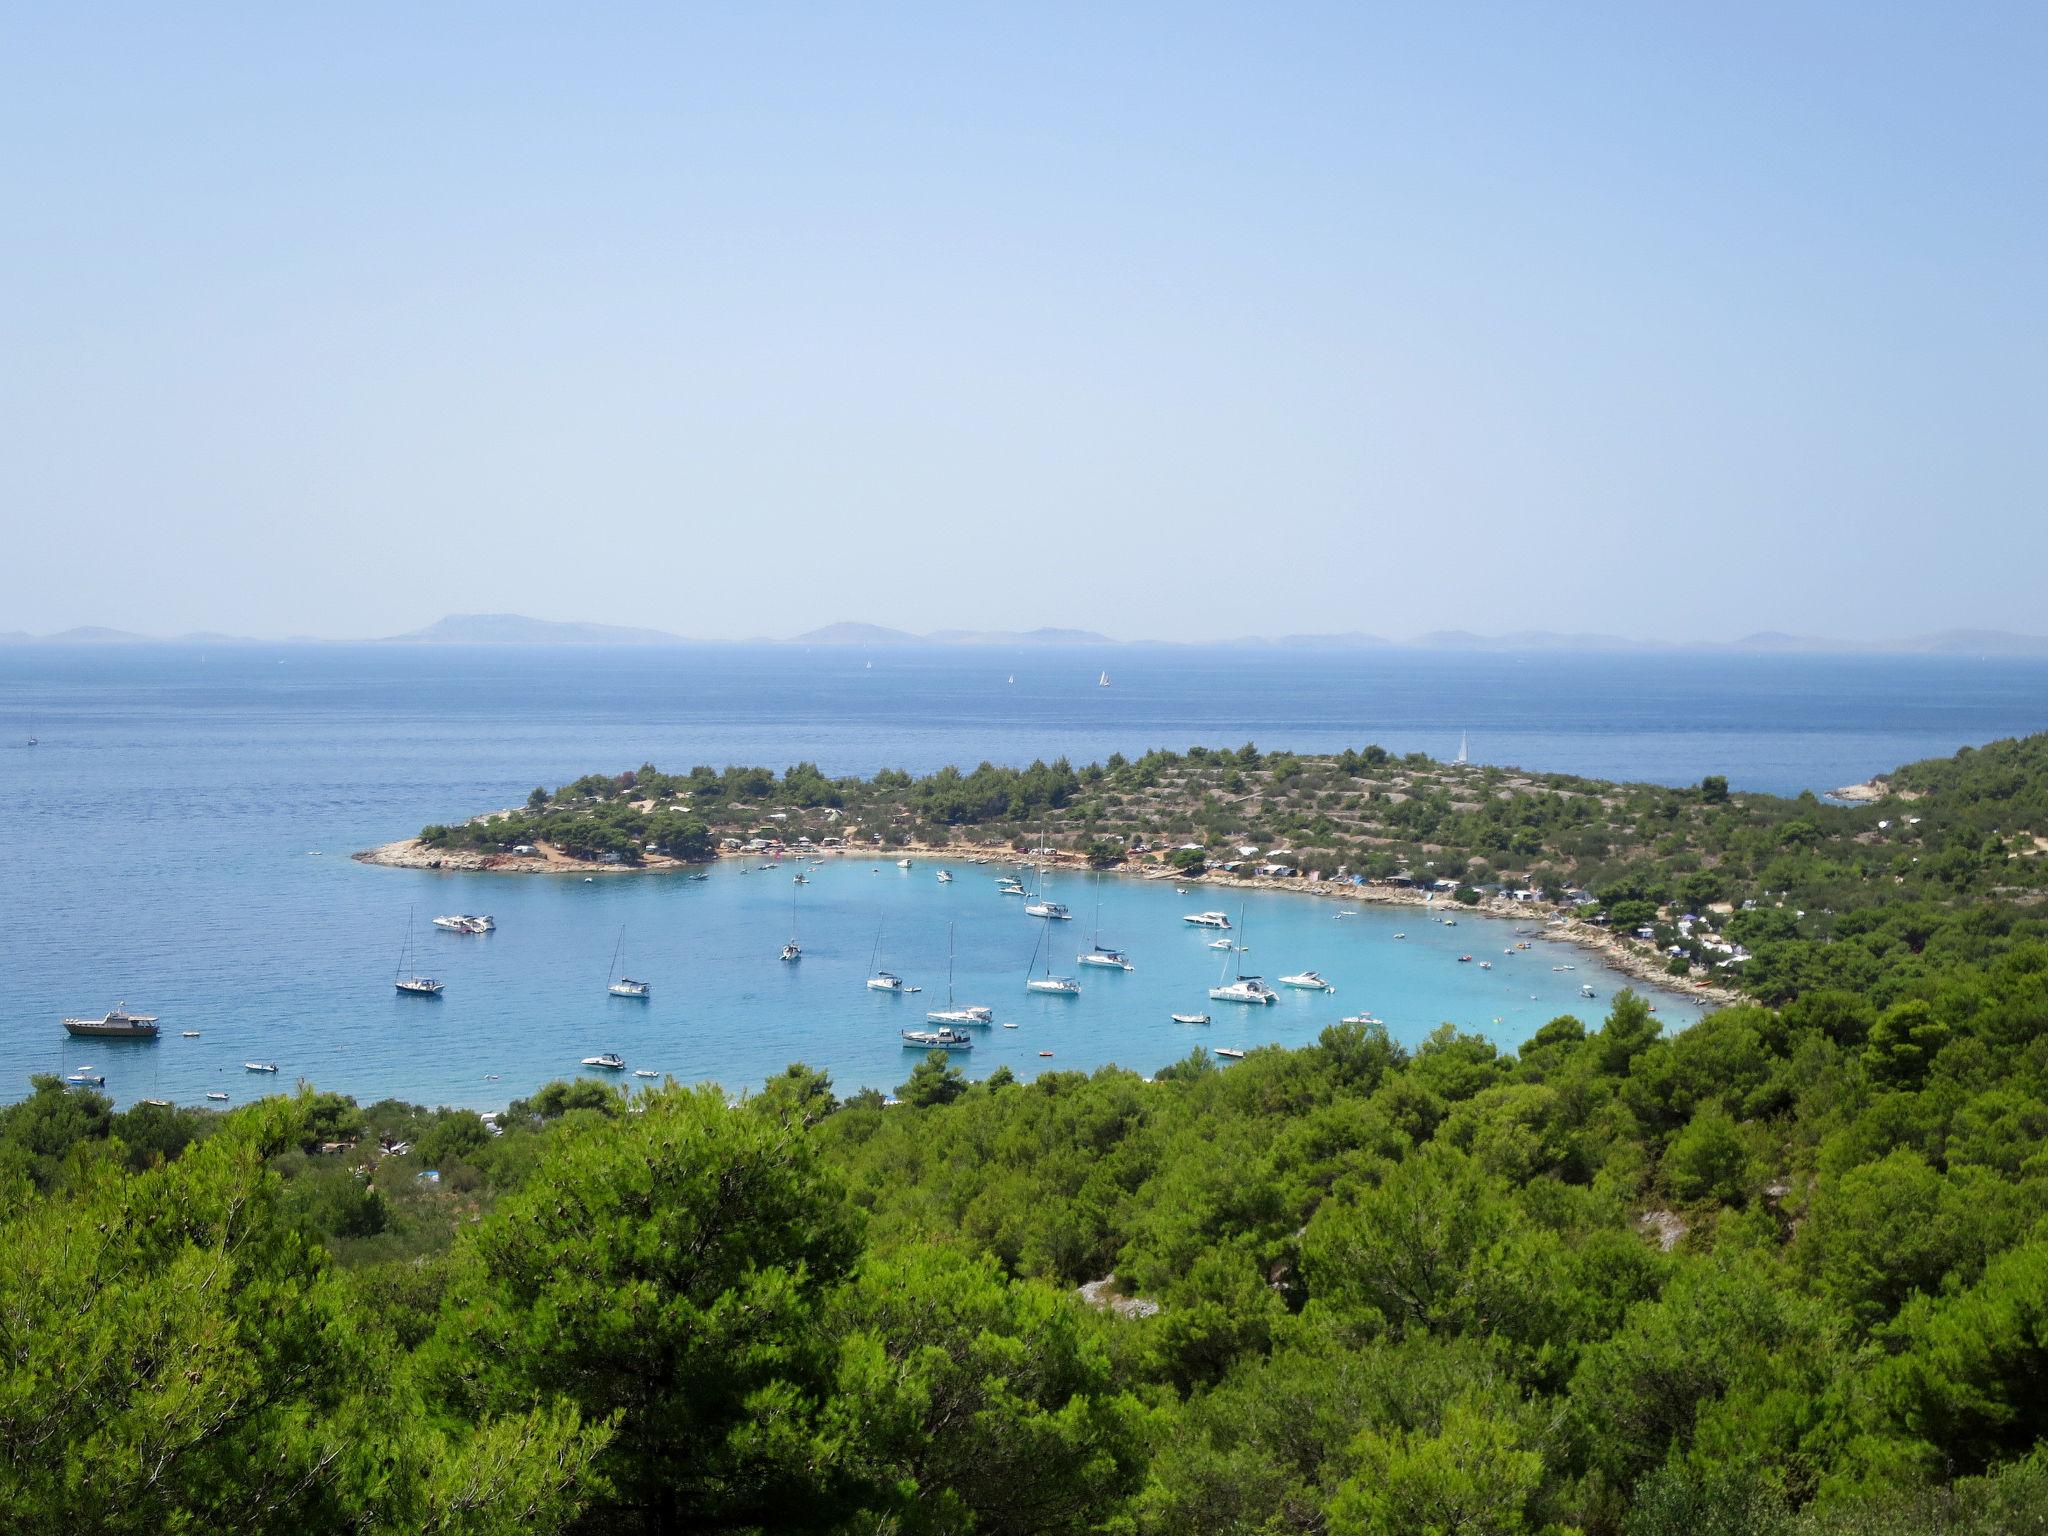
406, 978
1099, 954
624, 986
1244, 989
1059, 986
952, 1013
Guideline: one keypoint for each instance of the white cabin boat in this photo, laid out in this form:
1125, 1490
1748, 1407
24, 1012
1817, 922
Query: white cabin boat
1055, 910
885, 981
1246, 989
1062, 986
609, 1061
1207, 919
1105, 958
1189, 1018
937, 1040
1307, 981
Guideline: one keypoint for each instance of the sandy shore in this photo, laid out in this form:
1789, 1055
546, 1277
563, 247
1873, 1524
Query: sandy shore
1618, 954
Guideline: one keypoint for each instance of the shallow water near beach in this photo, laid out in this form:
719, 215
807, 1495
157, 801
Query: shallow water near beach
179, 840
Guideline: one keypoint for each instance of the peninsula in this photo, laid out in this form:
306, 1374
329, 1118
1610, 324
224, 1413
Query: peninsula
1720, 892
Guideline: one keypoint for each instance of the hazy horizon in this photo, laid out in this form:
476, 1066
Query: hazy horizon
1173, 325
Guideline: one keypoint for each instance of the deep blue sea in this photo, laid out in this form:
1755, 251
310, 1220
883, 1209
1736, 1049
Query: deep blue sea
179, 840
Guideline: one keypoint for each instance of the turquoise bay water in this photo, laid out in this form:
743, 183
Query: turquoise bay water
179, 840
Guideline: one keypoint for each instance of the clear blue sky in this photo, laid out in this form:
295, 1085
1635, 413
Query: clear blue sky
1172, 321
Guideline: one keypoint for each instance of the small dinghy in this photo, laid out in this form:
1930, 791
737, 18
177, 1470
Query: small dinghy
1190, 1018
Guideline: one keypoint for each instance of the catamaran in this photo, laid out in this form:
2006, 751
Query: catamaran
405, 980
623, 986
952, 1013
1245, 989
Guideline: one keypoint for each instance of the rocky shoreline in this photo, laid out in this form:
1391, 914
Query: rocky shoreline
1615, 952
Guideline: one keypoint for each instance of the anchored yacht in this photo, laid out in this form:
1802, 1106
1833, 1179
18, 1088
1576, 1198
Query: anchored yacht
943, 1039
952, 1013
1208, 919
609, 1061
1106, 958
119, 1024
1308, 981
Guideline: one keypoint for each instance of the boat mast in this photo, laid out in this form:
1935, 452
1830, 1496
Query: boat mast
616, 947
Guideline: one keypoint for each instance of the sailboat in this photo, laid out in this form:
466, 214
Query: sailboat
1062, 986
1041, 907
951, 1014
1102, 681
623, 986
404, 979
1460, 758
1245, 989
1100, 954
880, 980
792, 950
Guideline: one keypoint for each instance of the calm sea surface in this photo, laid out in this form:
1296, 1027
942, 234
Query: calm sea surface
180, 837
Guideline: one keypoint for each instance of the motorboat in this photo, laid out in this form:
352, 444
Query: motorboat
1229, 1053
1246, 989
1400, 935
609, 1061
220, 1096
1189, 1018
945, 877
466, 922
1464, 959
943, 1039
1222, 944
259, 1066
1307, 981
1486, 965
118, 1024
1207, 919
903, 863
644, 1072
1586, 990
85, 1078
1362, 1018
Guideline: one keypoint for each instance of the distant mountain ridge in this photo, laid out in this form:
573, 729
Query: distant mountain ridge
519, 629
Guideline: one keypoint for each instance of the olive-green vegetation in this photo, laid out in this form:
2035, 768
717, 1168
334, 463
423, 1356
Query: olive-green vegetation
1784, 1273
1776, 897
